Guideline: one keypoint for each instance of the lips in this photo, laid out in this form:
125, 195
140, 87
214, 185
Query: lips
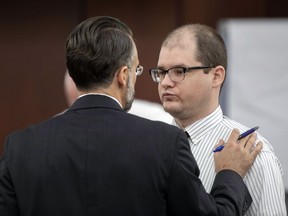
167, 96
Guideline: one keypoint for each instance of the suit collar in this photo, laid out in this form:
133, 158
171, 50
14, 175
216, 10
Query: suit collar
95, 101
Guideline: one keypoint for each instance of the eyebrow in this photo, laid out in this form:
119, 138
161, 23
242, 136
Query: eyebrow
175, 66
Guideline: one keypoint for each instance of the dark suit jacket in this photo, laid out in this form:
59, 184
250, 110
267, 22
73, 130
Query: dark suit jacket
95, 159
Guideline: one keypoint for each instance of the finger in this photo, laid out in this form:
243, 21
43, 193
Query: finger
256, 150
250, 142
247, 142
233, 136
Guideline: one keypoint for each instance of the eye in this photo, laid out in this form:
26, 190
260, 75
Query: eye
177, 71
161, 72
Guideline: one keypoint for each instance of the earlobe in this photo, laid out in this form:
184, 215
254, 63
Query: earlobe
219, 75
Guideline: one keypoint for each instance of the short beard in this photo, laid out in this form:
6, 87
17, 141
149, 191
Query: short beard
130, 95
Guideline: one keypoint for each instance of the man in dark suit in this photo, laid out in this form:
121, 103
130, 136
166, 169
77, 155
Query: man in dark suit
96, 159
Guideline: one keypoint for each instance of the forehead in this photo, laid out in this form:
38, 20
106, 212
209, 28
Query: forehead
177, 55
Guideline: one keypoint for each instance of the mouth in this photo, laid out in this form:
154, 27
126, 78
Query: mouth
167, 96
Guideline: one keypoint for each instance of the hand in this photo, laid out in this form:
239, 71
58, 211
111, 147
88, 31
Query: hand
237, 155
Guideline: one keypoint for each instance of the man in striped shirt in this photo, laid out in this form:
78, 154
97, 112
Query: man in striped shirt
191, 71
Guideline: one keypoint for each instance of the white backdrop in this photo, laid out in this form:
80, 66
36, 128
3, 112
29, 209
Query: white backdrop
256, 89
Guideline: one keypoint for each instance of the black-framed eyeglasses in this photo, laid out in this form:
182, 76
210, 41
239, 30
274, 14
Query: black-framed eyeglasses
139, 70
175, 73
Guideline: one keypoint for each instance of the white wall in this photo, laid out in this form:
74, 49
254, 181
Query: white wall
256, 89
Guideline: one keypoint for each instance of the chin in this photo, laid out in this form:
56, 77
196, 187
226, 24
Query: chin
168, 108
171, 107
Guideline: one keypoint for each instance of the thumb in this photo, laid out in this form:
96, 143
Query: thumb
221, 142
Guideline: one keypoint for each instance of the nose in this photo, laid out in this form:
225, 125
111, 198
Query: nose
166, 82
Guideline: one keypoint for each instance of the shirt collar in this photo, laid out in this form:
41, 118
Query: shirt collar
200, 128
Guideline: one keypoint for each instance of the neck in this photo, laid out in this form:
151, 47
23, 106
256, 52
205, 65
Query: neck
190, 118
106, 91
185, 122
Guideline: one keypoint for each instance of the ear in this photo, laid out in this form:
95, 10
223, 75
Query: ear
219, 74
122, 75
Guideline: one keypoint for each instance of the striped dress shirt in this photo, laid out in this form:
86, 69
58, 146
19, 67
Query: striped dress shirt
264, 179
